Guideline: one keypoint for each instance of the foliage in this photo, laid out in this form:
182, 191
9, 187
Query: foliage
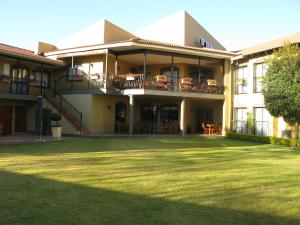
56, 117
250, 123
282, 84
289, 142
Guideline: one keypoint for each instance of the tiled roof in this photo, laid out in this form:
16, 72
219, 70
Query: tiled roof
10, 48
24, 53
153, 43
270, 45
200, 49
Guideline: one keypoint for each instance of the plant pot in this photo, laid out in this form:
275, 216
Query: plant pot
56, 132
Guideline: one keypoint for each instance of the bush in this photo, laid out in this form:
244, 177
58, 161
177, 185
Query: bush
265, 139
56, 117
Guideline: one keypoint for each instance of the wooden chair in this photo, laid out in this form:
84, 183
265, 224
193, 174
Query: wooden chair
1, 129
205, 128
217, 129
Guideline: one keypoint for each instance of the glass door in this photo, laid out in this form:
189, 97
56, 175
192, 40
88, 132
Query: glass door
20, 81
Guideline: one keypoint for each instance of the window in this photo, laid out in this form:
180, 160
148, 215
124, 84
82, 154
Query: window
241, 80
78, 72
42, 80
169, 113
120, 112
259, 74
262, 117
240, 120
167, 71
6, 69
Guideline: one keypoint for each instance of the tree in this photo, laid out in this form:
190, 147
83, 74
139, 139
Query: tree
282, 85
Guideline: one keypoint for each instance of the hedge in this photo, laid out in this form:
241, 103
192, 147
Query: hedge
290, 142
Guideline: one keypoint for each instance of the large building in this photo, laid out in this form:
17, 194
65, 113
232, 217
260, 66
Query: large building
161, 79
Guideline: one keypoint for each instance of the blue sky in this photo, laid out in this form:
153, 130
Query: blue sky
236, 24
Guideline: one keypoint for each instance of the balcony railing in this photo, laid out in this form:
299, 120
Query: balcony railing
19, 86
139, 81
165, 83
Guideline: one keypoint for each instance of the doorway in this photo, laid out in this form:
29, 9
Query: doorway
6, 119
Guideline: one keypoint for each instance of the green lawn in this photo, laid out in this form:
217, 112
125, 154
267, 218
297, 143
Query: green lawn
143, 181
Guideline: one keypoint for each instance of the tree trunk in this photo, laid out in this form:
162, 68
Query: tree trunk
297, 131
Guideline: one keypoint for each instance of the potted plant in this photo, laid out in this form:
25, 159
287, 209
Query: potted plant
56, 127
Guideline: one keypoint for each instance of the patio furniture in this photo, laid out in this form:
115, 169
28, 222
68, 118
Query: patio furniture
211, 82
161, 82
186, 84
210, 127
205, 128
217, 129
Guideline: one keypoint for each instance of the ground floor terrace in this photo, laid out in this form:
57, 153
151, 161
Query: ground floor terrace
148, 114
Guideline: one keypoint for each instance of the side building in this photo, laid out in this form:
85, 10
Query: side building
249, 70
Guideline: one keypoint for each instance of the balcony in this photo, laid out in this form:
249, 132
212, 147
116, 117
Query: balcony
18, 88
119, 83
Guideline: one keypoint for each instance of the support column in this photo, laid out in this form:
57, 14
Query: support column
13, 121
73, 72
145, 64
131, 114
182, 116
41, 81
199, 70
116, 65
106, 69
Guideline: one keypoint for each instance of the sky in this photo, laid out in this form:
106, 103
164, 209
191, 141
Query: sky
235, 24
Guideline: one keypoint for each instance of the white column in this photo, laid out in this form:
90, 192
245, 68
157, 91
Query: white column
106, 69
131, 114
223, 118
182, 116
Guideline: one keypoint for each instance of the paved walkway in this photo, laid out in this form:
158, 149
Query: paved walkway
23, 138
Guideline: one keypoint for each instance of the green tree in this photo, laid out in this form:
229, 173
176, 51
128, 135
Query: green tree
282, 85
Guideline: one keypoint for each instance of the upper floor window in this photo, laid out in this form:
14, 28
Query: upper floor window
241, 80
82, 71
260, 71
42, 80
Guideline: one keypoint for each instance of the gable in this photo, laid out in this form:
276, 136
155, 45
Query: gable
97, 33
179, 28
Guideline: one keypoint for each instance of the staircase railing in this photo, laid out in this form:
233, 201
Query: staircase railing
63, 106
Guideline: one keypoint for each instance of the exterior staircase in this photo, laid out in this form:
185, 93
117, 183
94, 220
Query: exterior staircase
66, 109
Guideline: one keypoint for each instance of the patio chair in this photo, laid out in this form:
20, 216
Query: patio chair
217, 129
204, 128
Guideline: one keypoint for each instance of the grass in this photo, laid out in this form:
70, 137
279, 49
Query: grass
147, 181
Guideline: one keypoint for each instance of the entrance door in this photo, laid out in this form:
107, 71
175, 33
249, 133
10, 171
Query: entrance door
20, 119
20, 81
204, 114
6, 119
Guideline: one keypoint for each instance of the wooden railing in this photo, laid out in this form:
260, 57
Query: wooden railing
139, 81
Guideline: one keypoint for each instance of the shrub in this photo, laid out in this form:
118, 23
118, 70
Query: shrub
56, 117
290, 142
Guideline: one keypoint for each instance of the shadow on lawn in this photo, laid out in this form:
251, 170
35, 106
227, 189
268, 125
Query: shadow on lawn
96, 144
29, 200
